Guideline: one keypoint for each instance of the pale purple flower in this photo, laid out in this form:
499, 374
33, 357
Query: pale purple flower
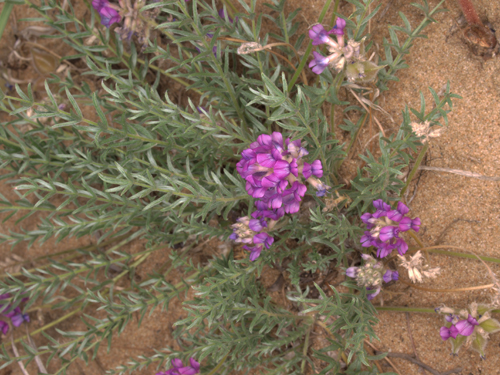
351, 272
338, 29
466, 327
319, 63
318, 35
388, 232
373, 295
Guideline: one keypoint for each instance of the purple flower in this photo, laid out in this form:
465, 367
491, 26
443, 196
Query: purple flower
351, 272
4, 327
446, 332
318, 35
293, 196
319, 63
373, 295
193, 368
385, 226
222, 15
99, 4
109, 16
386, 233
264, 238
254, 251
19, 318
180, 369
399, 213
315, 169
338, 29
391, 275
406, 224
466, 327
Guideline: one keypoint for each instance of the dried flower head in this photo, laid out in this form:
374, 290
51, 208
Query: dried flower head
424, 130
416, 270
249, 47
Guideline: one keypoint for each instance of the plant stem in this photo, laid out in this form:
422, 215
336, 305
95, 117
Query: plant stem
413, 309
415, 168
4, 17
308, 50
488, 286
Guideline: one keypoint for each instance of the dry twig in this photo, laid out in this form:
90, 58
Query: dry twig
459, 172
409, 358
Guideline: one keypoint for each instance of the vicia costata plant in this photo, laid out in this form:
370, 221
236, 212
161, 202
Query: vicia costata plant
184, 122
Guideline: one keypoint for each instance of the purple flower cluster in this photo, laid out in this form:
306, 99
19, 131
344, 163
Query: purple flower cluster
273, 169
319, 36
108, 14
16, 316
384, 227
371, 275
180, 369
463, 327
249, 231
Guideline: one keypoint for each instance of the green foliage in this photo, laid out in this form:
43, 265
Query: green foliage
126, 160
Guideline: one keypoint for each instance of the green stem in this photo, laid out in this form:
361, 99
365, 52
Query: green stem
415, 168
304, 351
4, 17
308, 50
423, 310
334, 16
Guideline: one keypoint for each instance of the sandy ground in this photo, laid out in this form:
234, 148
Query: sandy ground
471, 143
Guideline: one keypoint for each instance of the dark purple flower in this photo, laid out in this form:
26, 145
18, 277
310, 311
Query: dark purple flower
315, 169
257, 224
466, 327
318, 35
19, 318
446, 332
388, 232
390, 275
109, 16
193, 368
264, 238
99, 4
401, 246
382, 208
4, 327
399, 213
293, 196
383, 249
406, 224
254, 251
319, 63
367, 239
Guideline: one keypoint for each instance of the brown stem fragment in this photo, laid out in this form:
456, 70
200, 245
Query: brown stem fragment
470, 12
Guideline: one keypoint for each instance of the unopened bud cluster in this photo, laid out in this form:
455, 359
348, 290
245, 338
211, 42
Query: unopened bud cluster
371, 274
